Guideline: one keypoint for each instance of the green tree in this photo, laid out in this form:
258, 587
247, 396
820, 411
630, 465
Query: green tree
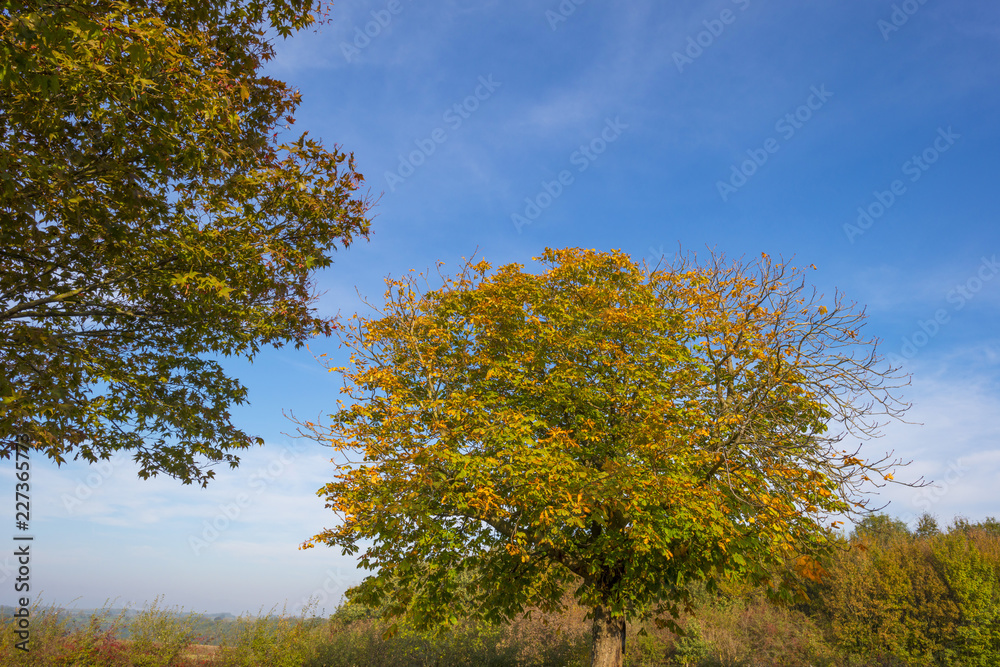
930, 598
597, 425
879, 528
152, 219
884, 598
927, 526
969, 560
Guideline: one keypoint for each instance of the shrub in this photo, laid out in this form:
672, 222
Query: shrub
49, 632
159, 637
272, 640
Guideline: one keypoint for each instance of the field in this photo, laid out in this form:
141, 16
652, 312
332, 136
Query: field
156, 637
889, 598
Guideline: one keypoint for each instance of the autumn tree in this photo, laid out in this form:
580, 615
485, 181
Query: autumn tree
155, 216
922, 598
602, 426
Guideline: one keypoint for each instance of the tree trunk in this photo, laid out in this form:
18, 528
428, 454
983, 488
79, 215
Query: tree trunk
609, 640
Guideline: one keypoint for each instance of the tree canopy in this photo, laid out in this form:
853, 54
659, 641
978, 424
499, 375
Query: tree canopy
927, 597
155, 215
599, 425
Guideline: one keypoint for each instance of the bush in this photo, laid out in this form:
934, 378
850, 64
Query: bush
743, 633
53, 643
538, 640
272, 640
926, 598
159, 637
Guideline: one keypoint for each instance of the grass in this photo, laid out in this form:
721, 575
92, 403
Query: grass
724, 635
157, 637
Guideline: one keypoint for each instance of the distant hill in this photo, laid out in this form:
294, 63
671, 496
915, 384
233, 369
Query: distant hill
7, 610
209, 628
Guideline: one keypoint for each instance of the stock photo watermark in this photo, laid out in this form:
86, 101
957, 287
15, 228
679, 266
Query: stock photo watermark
100, 473
230, 512
562, 13
22, 543
704, 39
786, 127
363, 36
899, 17
453, 118
932, 494
584, 156
959, 296
913, 169
337, 581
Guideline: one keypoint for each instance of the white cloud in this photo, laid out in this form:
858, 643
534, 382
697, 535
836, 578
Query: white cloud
956, 445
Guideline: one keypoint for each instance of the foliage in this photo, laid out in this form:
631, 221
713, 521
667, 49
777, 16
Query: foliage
274, 640
735, 625
969, 560
367, 644
151, 221
52, 643
874, 593
598, 424
48, 627
755, 631
927, 526
928, 598
160, 635
536, 638
879, 528
692, 647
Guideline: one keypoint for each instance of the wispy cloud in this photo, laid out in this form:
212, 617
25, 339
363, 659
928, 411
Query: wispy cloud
956, 444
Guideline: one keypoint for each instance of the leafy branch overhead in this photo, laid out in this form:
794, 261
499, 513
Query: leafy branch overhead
603, 425
154, 216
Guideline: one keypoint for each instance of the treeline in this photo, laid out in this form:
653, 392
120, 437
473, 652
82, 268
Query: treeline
921, 597
209, 628
890, 597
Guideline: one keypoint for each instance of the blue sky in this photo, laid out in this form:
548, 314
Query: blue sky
857, 136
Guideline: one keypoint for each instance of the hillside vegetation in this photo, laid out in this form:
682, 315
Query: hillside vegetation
891, 597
